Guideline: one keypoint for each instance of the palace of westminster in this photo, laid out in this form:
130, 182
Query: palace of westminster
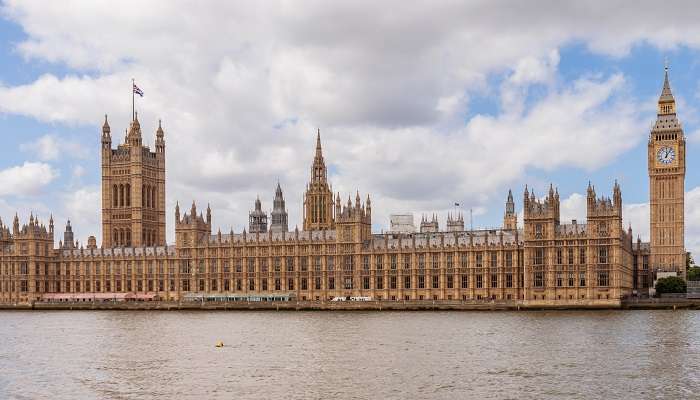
546, 261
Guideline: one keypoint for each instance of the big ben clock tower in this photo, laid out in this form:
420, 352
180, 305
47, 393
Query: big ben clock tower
666, 159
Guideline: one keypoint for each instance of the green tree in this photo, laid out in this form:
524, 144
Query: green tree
671, 284
694, 274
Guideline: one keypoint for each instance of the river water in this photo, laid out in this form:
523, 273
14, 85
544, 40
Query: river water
349, 355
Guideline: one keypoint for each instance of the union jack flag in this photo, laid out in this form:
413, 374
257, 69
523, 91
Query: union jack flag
137, 90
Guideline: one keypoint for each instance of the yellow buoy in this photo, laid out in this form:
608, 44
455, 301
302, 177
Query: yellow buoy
219, 344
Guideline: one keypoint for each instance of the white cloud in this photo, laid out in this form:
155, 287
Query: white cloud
52, 147
27, 179
79, 206
572, 207
242, 89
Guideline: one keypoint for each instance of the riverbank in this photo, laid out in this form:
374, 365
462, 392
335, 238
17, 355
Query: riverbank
639, 304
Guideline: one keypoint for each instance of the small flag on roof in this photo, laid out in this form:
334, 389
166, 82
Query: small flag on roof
138, 90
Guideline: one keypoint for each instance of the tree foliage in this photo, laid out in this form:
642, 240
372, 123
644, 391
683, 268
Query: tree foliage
671, 284
694, 274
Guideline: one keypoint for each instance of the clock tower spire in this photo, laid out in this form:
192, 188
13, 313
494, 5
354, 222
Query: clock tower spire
666, 162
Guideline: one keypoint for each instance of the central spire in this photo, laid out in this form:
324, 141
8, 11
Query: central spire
318, 169
319, 153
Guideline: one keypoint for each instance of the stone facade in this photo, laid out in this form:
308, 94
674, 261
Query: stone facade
544, 262
666, 160
133, 189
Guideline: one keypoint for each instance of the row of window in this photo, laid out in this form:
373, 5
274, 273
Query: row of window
482, 281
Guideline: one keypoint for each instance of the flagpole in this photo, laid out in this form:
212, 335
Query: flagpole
133, 110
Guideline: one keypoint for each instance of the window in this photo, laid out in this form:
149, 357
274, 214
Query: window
378, 262
251, 265
331, 283
406, 282
421, 281
365, 282
407, 261
185, 285
278, 284
538, 279
304, 284
509, 259
463, 260
582, 256
436, 282
277, 264
365, 263
450, 281
603, 278
479, 281
380, 282
435, 261
560, 281
393, 261
571, 256
559, 259
539, 257
479, 260
330, 263
494, 259
251, 284
571, 278
347, 282
421, 261
392, 282
304, 264
582, 279
465, 281
509, 280
494, 280
603, 255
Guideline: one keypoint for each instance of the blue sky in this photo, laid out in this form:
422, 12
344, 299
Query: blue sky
416, 113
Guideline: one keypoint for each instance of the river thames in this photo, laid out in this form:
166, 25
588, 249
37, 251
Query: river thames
349, 355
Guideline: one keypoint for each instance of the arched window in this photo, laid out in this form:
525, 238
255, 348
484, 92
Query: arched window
115, 238
128, 195
128, 237
148, 197
115, 196
121, 195
143, 196
153, 199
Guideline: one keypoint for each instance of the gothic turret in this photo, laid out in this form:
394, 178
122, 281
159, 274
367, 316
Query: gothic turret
279, 212
68, 238
257, 219
455, 223
160, 139
510, 218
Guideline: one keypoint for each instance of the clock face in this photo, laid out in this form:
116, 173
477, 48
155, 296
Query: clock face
666, 155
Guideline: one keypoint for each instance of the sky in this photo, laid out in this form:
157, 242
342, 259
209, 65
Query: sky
421, 104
